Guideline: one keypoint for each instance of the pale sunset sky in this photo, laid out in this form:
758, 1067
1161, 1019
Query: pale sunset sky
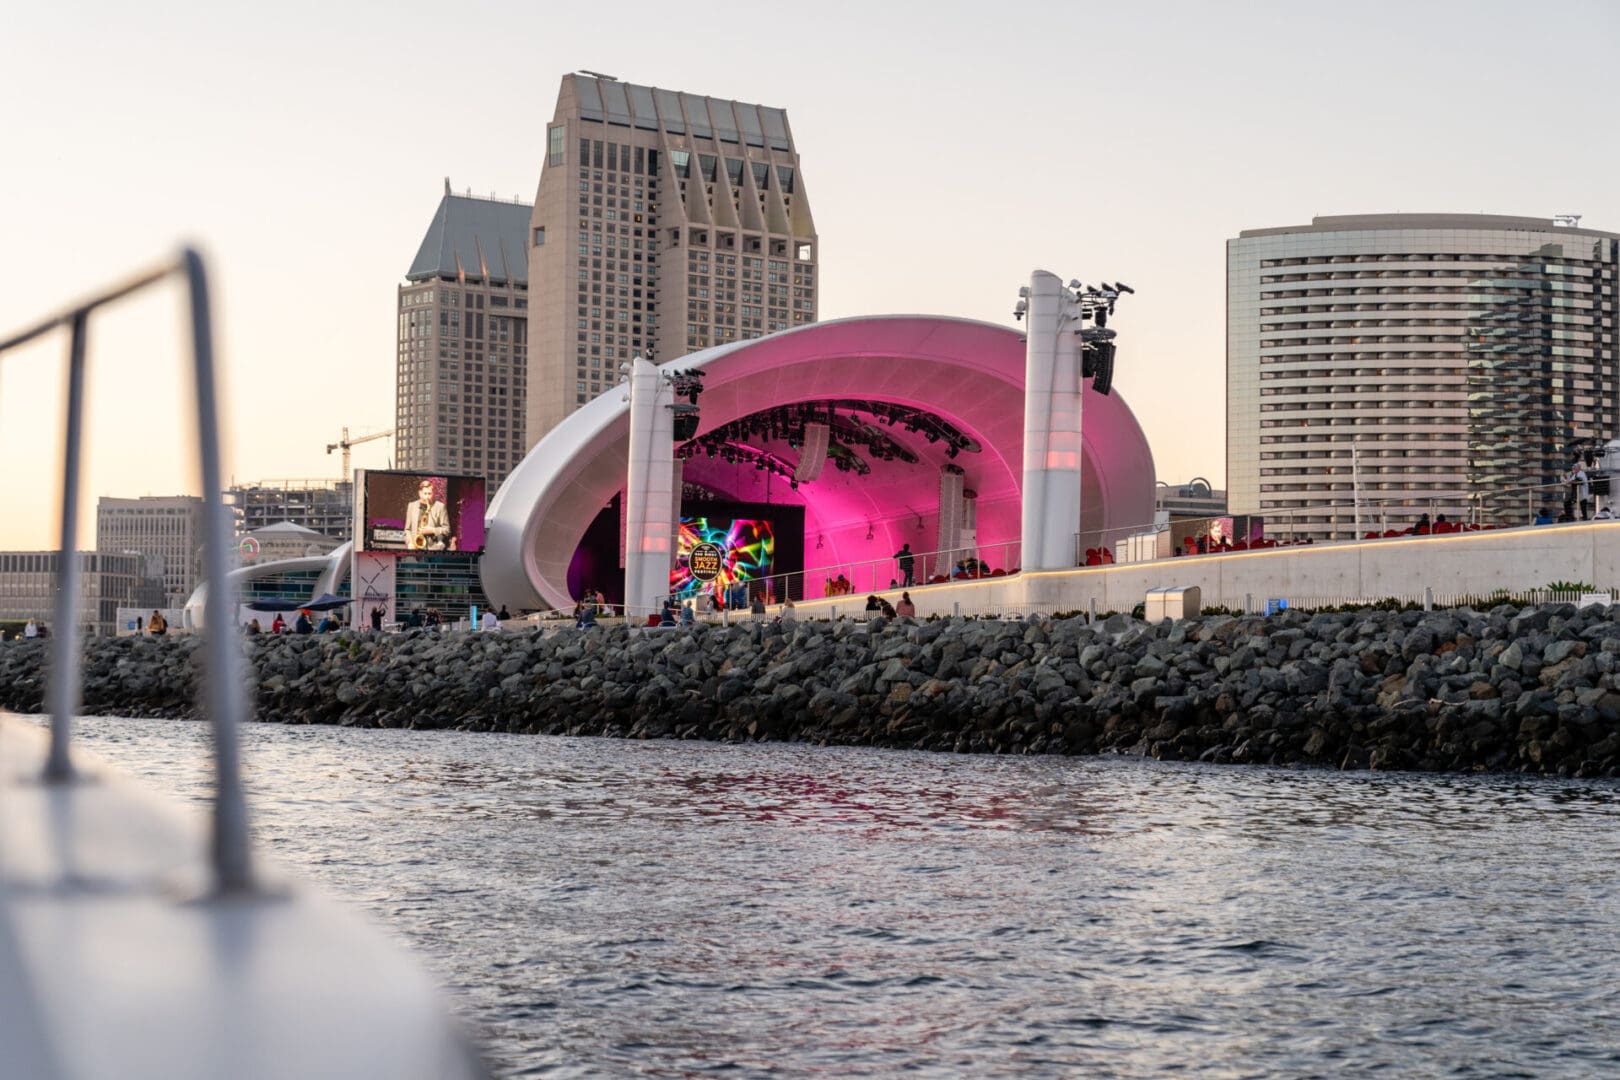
948, 149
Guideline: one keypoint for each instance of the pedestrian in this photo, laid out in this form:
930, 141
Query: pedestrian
157, 625
278, 625
31, 631
489, 621
758, 606
907, 563
304, 625
253, 627
688, 617
1581, 487
377, 613
503, 615
668, 614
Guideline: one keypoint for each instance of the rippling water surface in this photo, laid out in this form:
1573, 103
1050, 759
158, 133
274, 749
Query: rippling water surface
609, 908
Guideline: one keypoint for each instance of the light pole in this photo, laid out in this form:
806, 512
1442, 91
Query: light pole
1355, 482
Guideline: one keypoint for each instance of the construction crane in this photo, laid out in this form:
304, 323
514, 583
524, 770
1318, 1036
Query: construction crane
346, 442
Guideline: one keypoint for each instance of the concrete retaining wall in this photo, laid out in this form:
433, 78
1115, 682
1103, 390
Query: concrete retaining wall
1463, 563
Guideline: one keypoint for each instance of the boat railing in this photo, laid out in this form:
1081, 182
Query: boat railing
230, 853
96, 881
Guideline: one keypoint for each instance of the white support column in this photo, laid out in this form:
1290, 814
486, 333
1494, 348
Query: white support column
948, 542
649, 500
677, 477
1051, 493
968, 538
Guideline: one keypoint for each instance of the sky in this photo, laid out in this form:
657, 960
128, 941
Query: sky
947, 150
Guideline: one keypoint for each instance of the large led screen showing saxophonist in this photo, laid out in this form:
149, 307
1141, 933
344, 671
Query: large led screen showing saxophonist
416, 514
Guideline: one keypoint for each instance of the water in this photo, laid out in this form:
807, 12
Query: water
608, 908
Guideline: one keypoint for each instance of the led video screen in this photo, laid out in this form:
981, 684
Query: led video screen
425, 514
747, 552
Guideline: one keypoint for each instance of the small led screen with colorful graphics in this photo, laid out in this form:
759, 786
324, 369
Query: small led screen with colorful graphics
747, 549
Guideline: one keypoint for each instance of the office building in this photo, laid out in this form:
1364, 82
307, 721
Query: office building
1382, 367
463, 342
169, 528
283, 540
324, 506
1194, 500
665, 222
107, 582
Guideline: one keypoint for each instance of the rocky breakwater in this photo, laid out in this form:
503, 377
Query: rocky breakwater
1531, 690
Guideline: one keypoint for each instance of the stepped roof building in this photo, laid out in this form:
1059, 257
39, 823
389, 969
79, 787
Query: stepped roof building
664, 223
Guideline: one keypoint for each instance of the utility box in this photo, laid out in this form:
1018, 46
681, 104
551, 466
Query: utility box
1173, 602
1143, 547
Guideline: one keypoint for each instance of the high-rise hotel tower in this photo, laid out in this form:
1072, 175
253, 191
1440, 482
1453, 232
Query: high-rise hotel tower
1416, 364
462, 359
665, 222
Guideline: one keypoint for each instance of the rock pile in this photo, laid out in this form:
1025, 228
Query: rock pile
1531, 689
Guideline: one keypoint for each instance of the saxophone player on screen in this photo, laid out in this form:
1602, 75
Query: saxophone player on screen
427, 525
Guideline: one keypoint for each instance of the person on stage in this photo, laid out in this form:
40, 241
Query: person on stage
427, 525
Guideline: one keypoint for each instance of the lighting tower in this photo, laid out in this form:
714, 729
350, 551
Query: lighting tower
1068, 342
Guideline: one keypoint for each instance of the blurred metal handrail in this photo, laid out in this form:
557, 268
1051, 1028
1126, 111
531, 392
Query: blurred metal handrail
230, 850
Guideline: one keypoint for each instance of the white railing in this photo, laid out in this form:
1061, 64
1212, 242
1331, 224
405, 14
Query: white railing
231, 853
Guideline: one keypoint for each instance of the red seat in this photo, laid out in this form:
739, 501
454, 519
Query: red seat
998, 573
1390, 532
1241, 545
1371, 536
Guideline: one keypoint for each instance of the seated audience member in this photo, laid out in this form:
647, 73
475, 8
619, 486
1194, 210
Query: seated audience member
873, 603
885, 609
1603, 514
905, 608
